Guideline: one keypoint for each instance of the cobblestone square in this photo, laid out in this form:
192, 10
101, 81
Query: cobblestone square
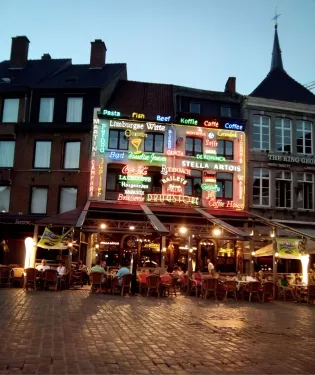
76, 332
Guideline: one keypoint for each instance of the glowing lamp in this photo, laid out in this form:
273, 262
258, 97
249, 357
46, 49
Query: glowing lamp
103, 226
29, 244
216, 231
132, 227
97, 246
183, 230
276, 254
253, 253
304, 260
70, 244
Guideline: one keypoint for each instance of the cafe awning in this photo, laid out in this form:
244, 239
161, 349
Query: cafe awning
267, 250
155, 222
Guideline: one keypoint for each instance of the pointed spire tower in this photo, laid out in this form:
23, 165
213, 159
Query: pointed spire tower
276, 60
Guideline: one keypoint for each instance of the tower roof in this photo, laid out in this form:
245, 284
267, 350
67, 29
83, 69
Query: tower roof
276, 60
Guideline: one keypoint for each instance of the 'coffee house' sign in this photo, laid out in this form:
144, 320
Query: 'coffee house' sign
291, 159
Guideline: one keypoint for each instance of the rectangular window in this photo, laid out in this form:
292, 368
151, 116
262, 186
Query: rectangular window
68, 199
304, 137
42, 154
283, 134
225, 111
112, 181
72, 155
305, 198
7, 154
10, 110
225, 185
5, 198
39, 200
74, 109
261, 187
261, 133
117, 140
225, 148
46, 110
193, 146
283, 189
194, 107
154, 142
193, 186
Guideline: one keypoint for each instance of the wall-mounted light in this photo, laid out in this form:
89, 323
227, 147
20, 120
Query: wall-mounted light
70, 244
276, 254
216, 231
103, 226
132, 227
253, 253
97, 246
272, 233
183, 230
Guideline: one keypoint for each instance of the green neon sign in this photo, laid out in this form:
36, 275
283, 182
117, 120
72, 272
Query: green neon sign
128, 178
208, 187
210, 157
150, 157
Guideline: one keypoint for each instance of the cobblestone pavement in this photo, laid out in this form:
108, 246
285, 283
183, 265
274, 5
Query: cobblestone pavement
76, 332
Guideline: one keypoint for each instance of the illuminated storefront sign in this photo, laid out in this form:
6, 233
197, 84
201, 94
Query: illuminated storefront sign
136, 142
172, 198
165, 170
176, 179
227, 134
109, 243
129, 133
188, 121
219, 203
174, 189
210, 187
211, 124
126, 125
174, 153
240, 186
138, 115
210, 157
232, 126
198, 133
107, 112
163, 118
169, 139
150, 157
211, 143
241, 148
134, 178
220, 167
139, 170
130, 198
92, 178
100, 177
116, 155
209, 177
102, 139
129, 185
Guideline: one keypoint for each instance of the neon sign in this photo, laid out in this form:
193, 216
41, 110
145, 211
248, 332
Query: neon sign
100, 177
211, 143
225, 204
188, 121
129, 133
163, 118
175, 189
130, 198
172, 198
127, 125
92, 178
210, 157
196, 134
107, 112
229, 168
240, 181
208, 187
165, 170
147, 157
178, 179
211, 124
138, 115
116, 155
102, 141
229, 134
230, 126
169, 139
241, 148
155, 127
142, 171
94, 137
221, 167
174, 153
127, 185
136, 142
110, 243
134, 178
209, 177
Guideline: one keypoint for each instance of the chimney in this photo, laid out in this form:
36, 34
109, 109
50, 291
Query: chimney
98, 54
46, 56
19, 51
230, 85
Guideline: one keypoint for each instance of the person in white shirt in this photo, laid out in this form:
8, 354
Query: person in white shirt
210, 266
61, 271
43, 266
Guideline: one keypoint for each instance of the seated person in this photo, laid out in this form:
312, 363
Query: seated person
166, 278
143, 276
175, 272
284, 283
181, 272
261, 276
98, 267
121, 272
61, 271
238, 276
298, 279
43, 266
197, 276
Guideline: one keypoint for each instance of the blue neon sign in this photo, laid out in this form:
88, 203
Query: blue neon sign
233, 126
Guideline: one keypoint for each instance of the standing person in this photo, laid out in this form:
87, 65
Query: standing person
210, 265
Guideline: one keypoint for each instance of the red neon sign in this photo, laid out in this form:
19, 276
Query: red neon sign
175, 153
138, 171
211, 143
211, 124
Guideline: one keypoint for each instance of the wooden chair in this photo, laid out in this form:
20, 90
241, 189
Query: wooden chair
308, 293
153, 284
231, 287
267, 290
185, 283
254, 288
6, 276
125, 283
50, 277
30, 278
96, 280
195, 287
18, 276
62, 280
171, 287
209, 285
77, 278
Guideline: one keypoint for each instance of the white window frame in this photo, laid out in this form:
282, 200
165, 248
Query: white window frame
260, 127
282, 129
36, 190
69, 164
304, 138
192, 104
45, 116
63, 200
10, 162
283, 178
6, 205
10, 117
261, 178
74, 116
38, 160
302, 192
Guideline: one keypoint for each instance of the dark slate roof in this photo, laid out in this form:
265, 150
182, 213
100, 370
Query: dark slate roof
221, 96
33, 72
142, 97
280, 86
82, 76
276, 61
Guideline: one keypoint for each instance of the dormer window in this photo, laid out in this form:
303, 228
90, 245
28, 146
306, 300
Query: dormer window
194, 107
225, 111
